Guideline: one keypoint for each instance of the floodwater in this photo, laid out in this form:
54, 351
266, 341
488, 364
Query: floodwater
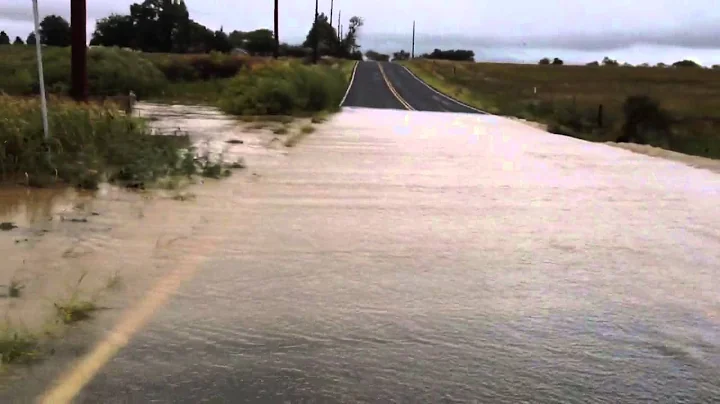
423, 257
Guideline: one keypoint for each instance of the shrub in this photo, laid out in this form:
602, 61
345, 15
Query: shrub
284, 88
111, 71
645, 122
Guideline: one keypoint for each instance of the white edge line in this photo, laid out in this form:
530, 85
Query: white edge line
352, 79
443, 95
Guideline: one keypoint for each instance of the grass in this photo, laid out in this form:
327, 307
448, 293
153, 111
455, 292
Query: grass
307, 129
88, 144
282, 130
75, 310
17, 347
567, 98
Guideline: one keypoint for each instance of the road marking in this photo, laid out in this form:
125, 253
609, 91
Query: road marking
392, 89
68, 387
443, 95
352, 79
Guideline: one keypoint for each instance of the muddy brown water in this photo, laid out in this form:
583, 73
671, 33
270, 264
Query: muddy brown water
422, 257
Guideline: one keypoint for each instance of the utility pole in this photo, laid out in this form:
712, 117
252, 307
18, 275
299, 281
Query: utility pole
412, 52
316, 39
78, 66
331, 11
339, 27
276, 51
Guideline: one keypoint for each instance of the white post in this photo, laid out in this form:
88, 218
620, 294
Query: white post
38, 47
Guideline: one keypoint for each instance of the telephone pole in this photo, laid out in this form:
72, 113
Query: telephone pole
78, 66
316, 39
276, 50
331, 11
412, 52
339, 27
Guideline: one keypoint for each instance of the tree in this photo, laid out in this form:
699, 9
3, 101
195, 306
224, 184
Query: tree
18, 41
221, 42
55, 31
544, 61
327, 36
716, 67
31, 40
379, 57
557, 61
350, 40
594, 63
686, 63
115, 30
260, 42
609, 62
661, 65
402, 55
453, 54
4, 38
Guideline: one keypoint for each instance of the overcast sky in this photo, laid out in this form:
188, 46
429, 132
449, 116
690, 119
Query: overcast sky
639, 30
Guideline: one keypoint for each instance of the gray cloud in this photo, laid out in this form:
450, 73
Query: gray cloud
570, 25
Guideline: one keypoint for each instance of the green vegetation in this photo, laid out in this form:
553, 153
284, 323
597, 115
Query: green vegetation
285, 88
17, 347
88, 144
673, 108
110, 72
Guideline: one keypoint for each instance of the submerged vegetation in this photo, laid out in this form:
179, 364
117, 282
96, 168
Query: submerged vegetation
89, 144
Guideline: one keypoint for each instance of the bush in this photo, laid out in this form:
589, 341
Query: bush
284, 88
645, 122
111, 71
200, 67
88, 144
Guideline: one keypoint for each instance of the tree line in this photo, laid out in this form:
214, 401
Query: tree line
165, 26
612, 62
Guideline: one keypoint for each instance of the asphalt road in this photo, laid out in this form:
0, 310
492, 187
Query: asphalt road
391, 86
370, 90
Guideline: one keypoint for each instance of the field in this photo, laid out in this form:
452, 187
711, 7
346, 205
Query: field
568, 98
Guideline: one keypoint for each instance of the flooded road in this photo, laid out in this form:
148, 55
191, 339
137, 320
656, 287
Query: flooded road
402, 256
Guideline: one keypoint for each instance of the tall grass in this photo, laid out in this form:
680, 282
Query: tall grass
567, 98
88, 144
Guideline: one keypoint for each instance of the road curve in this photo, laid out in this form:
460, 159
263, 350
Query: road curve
418, 94
369, 89
388, 85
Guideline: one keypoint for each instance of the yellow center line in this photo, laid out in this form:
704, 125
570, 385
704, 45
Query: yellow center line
82, 372
393, 91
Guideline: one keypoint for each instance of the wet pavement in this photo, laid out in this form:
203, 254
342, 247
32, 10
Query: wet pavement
425, 257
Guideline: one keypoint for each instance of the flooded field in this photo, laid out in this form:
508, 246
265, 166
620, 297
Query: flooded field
409, 257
